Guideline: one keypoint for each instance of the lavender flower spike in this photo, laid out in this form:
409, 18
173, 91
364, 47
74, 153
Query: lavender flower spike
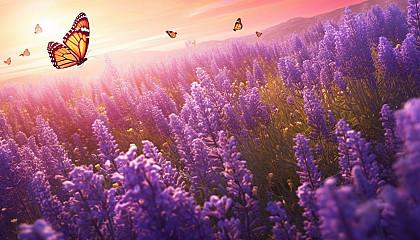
310, 179
40, 230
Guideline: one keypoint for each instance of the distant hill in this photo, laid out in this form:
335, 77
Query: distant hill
300, 24
278, 32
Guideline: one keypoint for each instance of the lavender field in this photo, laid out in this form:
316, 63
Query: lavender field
315, 137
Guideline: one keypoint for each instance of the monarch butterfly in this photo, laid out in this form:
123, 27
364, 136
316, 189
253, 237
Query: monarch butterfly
171, 34
8, 61
258, 33
38, 29
238, 25
193, 42
74, 49
25, 53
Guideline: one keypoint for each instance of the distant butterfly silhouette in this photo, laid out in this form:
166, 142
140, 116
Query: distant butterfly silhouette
238, 25
74, 49
258, 33
171, 34
8, 61
190, 43
25, 53
38, 29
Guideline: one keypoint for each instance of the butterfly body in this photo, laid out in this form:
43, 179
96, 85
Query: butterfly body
238, 25
74, 49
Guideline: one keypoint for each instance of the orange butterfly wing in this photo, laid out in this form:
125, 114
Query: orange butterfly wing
258, 34
61, 56
75, 46
171, 34
25, 53
38, 29
77, 39
8, 61
238, 25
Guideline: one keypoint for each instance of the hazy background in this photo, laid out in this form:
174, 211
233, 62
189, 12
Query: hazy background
129, 31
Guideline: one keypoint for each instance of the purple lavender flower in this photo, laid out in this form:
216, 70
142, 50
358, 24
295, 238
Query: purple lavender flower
309, 76
354, 57
360, 182
46, 135
183, 83
218, 208
413, 13
224, 81
239, 180
343, 151
40, 230
360, 155
93, 206
375, 24
216, 98
246, 118
21, 138
113, 112
314, 111
108, 149
253, 110
5, 128
408, 119
325, 77
78, 146
342, 217
386, 60
160, 121
396, 24
183, 135
250, 79
14, 188
290, 74
201, 171
55, 160
170, 175
341, 83
258, 74
232, 123
401, 204
88, 111
282, 228
392, 141
52, 209
409, 58
154, 211
163, 101
327, 51
297, 49
208, 117
310, 179
308, 169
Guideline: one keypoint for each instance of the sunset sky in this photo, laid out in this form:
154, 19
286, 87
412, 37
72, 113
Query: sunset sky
132, 26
